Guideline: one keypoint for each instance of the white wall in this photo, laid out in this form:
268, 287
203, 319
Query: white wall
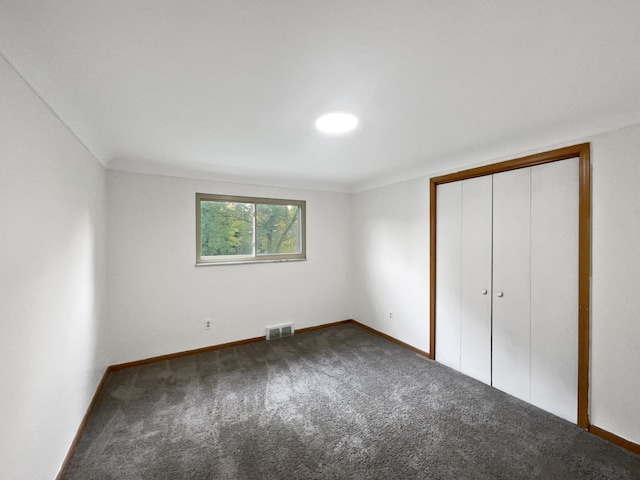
391, 271
158, 299
52, 282
615, 295
391, 260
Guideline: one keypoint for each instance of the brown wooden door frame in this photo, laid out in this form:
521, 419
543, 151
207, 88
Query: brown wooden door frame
582, 152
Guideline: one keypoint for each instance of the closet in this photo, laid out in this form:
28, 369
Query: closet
507, 281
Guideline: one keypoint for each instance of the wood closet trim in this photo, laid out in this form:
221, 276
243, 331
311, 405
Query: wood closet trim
583, 153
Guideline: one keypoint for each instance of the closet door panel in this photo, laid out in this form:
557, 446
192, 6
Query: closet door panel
511, 282
475, 321
448, 241
554, 288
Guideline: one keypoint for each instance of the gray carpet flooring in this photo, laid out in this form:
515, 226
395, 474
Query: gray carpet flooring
337, 403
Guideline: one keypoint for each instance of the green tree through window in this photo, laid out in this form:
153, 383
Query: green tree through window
277, 229
226, 228
232, 229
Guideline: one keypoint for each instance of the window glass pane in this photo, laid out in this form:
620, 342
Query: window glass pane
277, 229
226, 228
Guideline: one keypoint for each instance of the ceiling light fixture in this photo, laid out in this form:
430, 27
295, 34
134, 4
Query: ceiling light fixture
336, 122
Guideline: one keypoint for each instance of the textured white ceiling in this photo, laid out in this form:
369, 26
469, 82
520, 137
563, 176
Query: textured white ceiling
231, 89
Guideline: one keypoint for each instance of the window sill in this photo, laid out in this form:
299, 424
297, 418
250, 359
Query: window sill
247, 262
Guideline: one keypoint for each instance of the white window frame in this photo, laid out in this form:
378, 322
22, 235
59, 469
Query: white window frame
254, 257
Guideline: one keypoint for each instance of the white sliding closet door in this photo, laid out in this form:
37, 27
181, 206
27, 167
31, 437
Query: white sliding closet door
448, 215
475, 299
554, 288
512, 282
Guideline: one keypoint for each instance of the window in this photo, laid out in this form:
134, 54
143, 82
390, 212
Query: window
233, 229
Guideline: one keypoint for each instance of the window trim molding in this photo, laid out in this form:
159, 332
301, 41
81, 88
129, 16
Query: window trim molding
255, 258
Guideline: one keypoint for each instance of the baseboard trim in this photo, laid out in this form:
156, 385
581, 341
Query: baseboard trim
392, 339
324, 325
613, 438
211, 348
186, 353
81, 427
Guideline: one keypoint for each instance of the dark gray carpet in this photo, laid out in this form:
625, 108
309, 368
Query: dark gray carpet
337, 403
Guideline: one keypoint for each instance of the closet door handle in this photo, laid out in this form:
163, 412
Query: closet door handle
500, 294
484, 292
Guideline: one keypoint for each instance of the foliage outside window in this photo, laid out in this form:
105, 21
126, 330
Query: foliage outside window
234, 229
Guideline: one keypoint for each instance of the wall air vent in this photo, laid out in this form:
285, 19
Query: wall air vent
279, 331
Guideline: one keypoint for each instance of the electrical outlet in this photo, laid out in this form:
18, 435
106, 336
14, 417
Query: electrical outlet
390, 316
207, 324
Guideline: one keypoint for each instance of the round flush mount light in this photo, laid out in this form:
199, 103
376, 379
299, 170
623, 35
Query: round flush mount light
336, 122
